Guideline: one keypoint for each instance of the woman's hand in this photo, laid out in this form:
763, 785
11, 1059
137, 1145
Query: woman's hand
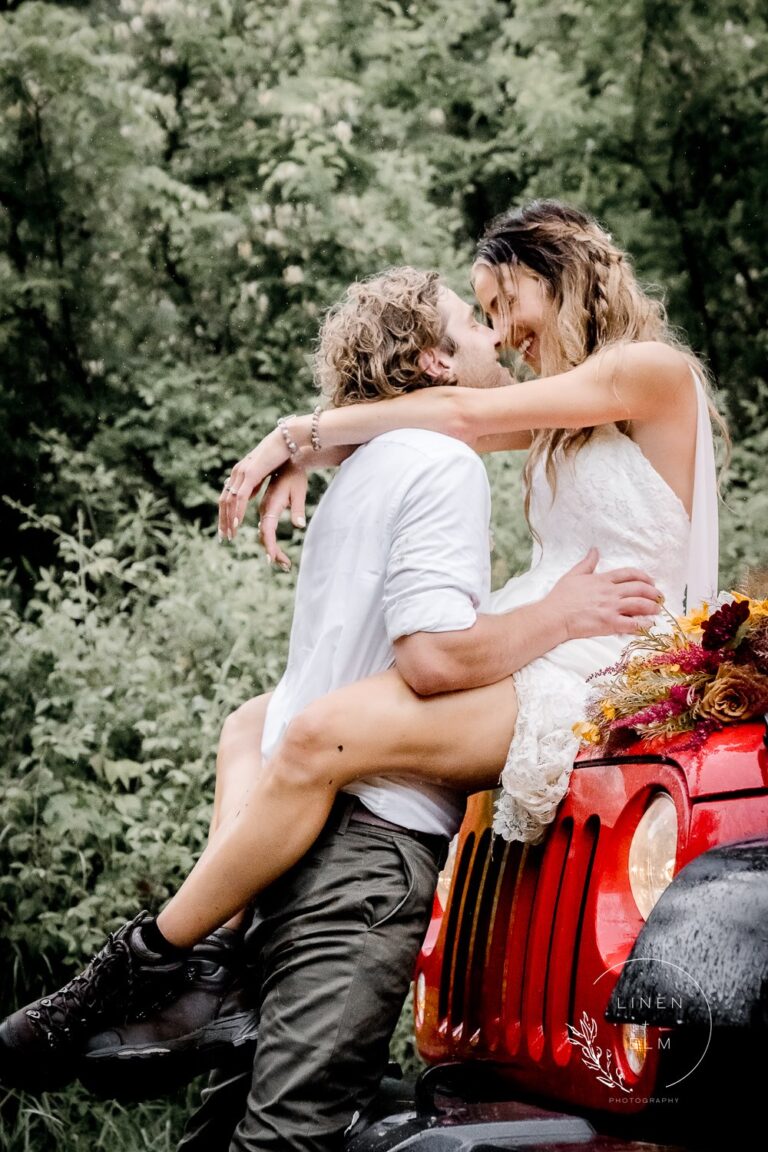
245, 480
286, 489
287, 486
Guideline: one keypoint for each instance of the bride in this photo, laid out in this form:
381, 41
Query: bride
620, 457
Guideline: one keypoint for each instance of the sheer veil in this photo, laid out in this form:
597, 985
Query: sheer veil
703, 551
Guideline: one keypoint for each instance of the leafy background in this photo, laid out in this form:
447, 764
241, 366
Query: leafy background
184, 186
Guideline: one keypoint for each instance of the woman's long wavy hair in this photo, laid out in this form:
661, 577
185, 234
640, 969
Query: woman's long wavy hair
596, 302
370, 343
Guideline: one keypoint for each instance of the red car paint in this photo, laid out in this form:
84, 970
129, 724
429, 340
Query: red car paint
532, 938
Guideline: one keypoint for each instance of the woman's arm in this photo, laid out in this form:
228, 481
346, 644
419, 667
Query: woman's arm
644, 382
503, 442
639, 382
309, 459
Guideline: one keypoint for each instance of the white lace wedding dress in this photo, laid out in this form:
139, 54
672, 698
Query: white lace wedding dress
608, 495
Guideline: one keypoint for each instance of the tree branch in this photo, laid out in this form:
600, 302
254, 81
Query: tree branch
69, 345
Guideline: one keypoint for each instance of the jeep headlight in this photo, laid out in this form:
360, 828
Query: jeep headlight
653, 852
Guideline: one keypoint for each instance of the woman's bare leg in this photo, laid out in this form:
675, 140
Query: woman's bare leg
375, 727
238, 763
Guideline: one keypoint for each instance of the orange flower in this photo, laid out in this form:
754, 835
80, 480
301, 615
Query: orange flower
756, 607
587, 733
694, 620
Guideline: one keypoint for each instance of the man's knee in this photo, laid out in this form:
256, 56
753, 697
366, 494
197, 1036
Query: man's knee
245, 722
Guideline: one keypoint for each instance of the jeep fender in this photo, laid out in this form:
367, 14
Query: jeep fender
711, 922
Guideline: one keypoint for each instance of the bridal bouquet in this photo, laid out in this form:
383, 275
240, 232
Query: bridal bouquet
709, 670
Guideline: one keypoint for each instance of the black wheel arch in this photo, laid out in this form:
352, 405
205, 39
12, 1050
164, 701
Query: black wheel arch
711, 923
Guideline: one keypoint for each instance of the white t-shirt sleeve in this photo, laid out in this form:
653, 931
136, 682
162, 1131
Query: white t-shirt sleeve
438, 572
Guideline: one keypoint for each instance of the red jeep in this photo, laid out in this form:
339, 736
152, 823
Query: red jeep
621, 966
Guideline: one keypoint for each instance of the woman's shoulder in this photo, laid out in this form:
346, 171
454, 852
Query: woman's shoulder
655, 372
652, 356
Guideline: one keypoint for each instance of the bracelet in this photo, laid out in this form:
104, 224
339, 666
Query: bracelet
290, 443
314, 434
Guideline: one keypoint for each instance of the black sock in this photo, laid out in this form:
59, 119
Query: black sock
155, 941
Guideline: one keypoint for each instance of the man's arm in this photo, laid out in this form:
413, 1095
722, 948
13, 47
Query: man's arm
582, 603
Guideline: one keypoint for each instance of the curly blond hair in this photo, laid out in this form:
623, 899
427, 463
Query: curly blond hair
595, 298
371, 341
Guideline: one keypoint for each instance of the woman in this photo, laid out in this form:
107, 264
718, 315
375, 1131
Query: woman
620, 457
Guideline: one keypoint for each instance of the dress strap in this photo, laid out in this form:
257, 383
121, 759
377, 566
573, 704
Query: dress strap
704, 548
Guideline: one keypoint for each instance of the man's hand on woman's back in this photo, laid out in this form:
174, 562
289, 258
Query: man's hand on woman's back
604, 603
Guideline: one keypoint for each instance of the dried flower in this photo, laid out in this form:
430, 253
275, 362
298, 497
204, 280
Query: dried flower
754, 647
693, 621
709, 670
737, 693
650, 716
692, 658
587, 733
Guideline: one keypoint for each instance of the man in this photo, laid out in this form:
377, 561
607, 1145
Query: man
396, 559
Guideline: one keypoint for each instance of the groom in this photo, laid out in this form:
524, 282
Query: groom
395, 569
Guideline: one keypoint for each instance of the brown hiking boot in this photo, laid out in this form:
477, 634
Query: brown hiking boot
210, 1022
39, 1044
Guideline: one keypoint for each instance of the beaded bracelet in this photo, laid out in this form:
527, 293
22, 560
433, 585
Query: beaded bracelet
314, 435
290, 443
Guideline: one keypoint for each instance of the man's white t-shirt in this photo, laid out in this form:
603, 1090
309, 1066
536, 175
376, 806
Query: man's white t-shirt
399, 544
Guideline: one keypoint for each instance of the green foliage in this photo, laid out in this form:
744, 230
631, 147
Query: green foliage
184, 186
71, 1121
744, 517
183, 196
114, 681
402, 1049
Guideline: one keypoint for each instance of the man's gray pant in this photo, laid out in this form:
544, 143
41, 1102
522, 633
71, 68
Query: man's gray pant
334, 944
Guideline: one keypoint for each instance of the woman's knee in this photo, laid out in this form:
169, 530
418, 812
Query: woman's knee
307, 754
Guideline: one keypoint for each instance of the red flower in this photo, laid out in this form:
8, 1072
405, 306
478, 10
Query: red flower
692, 658
652, 714
721, 628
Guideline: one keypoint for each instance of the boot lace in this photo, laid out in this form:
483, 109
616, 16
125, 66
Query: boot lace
70, 1011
